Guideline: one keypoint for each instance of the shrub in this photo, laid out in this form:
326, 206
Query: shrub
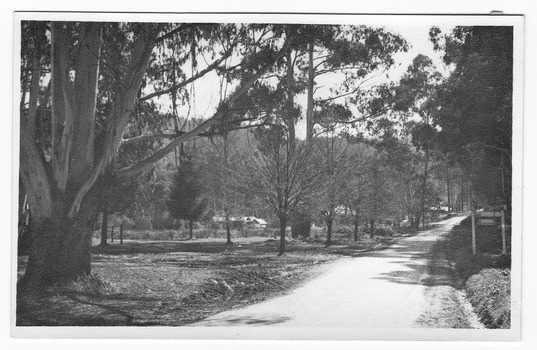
171, 235
145, 235
384, 230
142, 223
165, 222
486, 274
317, 233
344, 231
490, 294
467, 222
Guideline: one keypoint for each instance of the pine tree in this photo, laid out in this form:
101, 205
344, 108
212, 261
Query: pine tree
187, 199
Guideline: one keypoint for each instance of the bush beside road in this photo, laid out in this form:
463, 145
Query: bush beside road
486, 277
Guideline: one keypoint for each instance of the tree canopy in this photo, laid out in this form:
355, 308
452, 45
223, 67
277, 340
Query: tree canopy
476, 106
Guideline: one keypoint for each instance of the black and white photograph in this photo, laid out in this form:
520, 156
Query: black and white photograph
274, 177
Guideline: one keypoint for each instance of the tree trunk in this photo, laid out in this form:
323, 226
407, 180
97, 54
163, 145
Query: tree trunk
104, 225
423, 187
291, 100
423, 219
283, 226
417, 219
61, 247
329, 223
356, 230
372, 224
63, 192
190, 229
448, 185
462, 194
309, 106
228, 233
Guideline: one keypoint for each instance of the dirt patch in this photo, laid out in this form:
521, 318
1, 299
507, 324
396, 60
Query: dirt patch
447, 308
176, 283
447, 305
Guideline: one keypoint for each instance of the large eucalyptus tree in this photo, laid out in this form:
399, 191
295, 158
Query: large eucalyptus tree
68, 136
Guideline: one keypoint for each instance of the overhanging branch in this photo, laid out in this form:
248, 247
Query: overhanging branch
175, 31
215, 119
184, 83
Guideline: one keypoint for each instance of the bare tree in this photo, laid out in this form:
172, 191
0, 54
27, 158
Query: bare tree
338, 168
281, 172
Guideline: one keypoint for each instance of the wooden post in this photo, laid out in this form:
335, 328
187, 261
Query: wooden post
112, 234
473, 233
121, 233
473, 207
504, 243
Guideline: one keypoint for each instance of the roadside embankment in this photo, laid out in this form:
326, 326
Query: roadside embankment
486, 277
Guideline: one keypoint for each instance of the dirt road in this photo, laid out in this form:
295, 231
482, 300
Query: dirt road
410, 284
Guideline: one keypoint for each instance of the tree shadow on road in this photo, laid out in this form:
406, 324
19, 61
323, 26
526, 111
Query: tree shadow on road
247, 320
418, 263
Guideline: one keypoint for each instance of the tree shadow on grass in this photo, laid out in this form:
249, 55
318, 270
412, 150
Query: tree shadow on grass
269, 246
163, 247
72, 310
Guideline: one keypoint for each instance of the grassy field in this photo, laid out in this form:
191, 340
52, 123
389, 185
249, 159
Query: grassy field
487, 275
174, 282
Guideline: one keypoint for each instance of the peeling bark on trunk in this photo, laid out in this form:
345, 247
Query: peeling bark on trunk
61, 247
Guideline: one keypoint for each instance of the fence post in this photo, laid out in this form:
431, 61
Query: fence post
504, 243
112, 234
121, 233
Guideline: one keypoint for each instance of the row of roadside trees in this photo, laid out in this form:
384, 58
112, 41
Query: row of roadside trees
91, 124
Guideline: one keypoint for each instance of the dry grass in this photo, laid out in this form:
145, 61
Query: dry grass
173, 283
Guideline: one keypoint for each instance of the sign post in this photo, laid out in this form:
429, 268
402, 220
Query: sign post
474, 247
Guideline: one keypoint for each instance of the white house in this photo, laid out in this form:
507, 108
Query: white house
254, 222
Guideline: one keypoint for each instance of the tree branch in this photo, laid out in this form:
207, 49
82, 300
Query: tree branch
200, 74
123, 105
175, 31
215, 119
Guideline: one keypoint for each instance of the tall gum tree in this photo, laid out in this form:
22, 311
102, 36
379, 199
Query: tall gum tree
64, 180
476, 115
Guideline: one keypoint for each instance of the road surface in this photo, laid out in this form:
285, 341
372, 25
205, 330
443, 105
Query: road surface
409, 284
